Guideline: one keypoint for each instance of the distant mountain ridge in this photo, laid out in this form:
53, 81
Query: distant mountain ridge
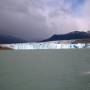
5, 39
69, 36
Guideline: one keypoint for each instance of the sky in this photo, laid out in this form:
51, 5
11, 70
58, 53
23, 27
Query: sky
39, 19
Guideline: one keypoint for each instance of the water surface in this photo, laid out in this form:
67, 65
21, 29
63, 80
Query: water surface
45, 70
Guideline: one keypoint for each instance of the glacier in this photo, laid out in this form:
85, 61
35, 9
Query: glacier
45, 45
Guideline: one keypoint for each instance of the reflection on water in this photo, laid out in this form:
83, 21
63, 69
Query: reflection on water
45, 70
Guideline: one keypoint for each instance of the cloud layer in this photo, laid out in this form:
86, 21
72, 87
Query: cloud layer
39, 19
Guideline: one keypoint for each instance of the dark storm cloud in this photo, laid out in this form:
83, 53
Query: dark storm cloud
39, 19
22, 19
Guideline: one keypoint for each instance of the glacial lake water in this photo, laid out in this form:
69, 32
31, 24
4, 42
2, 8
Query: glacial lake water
45, 70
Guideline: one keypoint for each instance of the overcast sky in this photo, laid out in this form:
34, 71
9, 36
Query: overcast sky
39, 19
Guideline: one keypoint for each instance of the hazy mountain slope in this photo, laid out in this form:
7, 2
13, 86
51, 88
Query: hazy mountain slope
10, 39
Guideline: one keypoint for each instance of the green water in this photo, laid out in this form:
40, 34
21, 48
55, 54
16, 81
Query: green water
45, 70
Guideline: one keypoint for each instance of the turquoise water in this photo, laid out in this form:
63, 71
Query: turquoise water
45, 70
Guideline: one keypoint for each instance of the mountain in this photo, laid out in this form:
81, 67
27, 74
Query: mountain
5, 39
6, 48
85, 41
69, 36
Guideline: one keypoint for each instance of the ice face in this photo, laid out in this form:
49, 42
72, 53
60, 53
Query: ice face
46, 45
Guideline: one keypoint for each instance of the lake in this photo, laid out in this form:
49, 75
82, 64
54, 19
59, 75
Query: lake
45, 69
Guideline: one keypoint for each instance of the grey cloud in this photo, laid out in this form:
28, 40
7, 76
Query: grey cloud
39, 19
25, 22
